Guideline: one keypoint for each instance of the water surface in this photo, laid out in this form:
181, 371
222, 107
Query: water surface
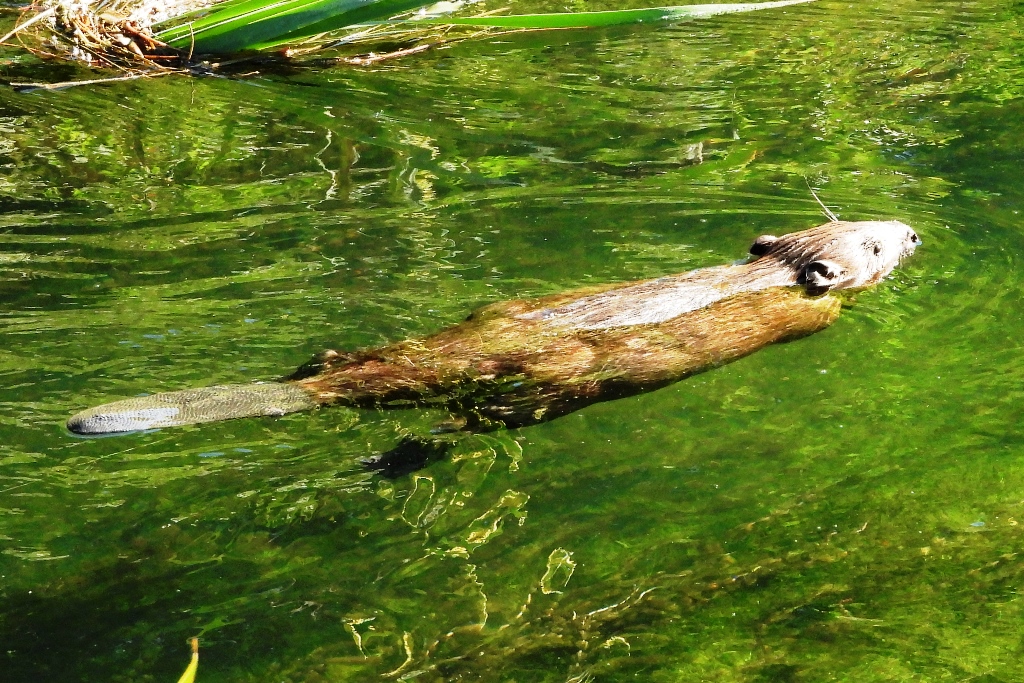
844, 507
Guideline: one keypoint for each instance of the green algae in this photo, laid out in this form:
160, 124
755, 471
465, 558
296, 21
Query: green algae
843, 507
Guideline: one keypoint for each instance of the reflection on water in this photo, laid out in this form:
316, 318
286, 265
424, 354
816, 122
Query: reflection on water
844, 506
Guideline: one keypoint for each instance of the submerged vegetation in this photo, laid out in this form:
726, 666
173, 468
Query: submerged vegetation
157, 36
848, 507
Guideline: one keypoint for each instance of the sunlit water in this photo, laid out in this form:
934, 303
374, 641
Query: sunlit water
846, 507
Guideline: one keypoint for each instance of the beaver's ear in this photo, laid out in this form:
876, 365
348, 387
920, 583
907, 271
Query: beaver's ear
821, 276
763, 244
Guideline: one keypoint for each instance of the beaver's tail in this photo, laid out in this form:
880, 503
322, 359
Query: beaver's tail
192, 406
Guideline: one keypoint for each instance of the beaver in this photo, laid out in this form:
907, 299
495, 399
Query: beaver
516, 363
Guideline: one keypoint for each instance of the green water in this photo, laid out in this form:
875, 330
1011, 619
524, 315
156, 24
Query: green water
848, 507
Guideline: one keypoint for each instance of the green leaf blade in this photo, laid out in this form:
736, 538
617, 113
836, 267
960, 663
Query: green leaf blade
614, 17
240, 25
373, 12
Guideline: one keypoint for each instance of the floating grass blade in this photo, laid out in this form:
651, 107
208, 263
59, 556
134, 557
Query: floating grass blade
613, 17
190, 673
559, 20
238, 25
368, 14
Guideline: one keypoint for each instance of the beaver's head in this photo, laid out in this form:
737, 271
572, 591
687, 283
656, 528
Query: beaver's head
839, 255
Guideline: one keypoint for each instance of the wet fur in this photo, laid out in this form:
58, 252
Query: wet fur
525, 361
520, 362
499, 367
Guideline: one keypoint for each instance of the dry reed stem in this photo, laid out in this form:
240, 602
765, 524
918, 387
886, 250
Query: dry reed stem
373, 58
29, 87
25, 24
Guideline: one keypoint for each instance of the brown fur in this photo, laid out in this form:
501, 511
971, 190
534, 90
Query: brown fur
520, 362
502, 368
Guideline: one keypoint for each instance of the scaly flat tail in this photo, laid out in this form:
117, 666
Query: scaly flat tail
192, 406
